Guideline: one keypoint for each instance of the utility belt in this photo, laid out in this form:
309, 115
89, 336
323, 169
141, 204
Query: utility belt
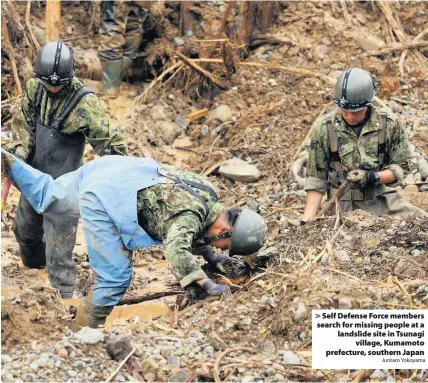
363, 194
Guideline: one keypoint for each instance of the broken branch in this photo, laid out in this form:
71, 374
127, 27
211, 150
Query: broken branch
397, 47
27, 22
122, 363
216, 373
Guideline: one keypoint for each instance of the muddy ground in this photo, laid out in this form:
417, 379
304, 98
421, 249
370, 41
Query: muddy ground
360, 262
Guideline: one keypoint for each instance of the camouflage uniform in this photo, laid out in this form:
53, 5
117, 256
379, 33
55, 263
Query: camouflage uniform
360, 152
87, 117
121, 29
49, 241
173, 215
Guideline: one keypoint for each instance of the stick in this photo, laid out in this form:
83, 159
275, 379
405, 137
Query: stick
404, 53
196, 115
148, 297
345, 12
343, 189
201, 70
216, 373
308, 135
120, 366
397, 47
225, 18
27, 22
9, 50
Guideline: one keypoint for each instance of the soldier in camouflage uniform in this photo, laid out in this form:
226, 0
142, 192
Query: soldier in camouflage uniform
121, 32
127, 203
56, 115
361, 143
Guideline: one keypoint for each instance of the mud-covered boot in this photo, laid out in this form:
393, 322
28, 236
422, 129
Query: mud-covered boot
32, 255
112, 71
126, 64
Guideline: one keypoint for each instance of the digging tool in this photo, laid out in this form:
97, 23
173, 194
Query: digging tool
343, 189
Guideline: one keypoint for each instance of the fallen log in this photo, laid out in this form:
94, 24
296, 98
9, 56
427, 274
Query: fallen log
149, 297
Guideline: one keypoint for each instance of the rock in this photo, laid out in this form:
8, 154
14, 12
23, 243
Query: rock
180, 376
217, 342
290, 357
241, 370
248, 75
149, 377
320, 51
173, 361
222, 113
253, 205
342, 255
118, 346
247, 321
415, 252
79, 365
423, 168
270, 371
378, 374
390, 379
182, 142
72, 373
149, 364
369, 42
158, 113
272, 82
423, 188
204, 130
422, 291
239, 170
168, 130
178, 41
85, 265
300, 313
269, 347
411, 189
410, 179
89, 335
62, 353
418, 178
345, 303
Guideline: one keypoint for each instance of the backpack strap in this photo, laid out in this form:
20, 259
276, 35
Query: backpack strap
381, 147
81, 92
334, 152
39, 96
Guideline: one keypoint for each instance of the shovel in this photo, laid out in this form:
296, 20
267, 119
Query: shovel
343, 189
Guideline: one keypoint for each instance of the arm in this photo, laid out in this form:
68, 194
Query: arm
317, 176
98, 128
23, 120
178, 248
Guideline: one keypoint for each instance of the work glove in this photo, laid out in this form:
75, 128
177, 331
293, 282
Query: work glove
214, 289
362, 178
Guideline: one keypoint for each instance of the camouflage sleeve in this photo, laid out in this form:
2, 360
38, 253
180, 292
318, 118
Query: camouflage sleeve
204, 251
98, 128
317, 167
178, 248
397, 148
23, 121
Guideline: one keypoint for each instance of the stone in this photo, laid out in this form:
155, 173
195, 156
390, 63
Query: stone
269, 347
149, 364
415, 252
345, 303
423, 188
247, 321
204, 130
368, 42
217, 342
272, 82
79, 365
149, 377
378, 374
418, 177
6, 359
158, 113
72, 373
63, 353
182, 142
180, 376
169, 131
342, 255
410, 179
423, 168
222, 113
320, 51
178, 41
173, 361
248, 75
239, 170
89, 335
86, 265
300, 313
290, 357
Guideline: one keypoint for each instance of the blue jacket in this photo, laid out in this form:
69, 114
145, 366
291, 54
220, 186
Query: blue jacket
114, 180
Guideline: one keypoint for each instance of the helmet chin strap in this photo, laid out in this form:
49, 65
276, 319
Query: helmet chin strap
227, 234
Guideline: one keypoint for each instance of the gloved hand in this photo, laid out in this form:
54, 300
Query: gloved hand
219, 260
214, 289
363, 178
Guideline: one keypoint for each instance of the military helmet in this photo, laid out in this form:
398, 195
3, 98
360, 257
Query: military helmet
54, 64
248, 233
355, 90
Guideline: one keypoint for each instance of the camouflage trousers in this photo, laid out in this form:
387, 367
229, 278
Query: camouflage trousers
121, 29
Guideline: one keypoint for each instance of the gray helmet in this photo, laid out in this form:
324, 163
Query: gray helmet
355, 90
54, 64
248, 233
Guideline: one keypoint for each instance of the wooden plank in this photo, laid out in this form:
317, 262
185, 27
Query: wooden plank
53, 20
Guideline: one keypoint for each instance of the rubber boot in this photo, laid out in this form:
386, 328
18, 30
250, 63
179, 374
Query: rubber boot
112, 71
126, 64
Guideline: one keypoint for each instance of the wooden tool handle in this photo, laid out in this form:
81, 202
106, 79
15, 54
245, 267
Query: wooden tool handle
343, 189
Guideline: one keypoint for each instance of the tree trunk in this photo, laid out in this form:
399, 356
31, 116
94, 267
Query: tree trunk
53, 20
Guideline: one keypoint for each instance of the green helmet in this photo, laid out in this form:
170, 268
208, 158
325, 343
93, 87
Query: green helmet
54, 65
355, 90
248, 233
